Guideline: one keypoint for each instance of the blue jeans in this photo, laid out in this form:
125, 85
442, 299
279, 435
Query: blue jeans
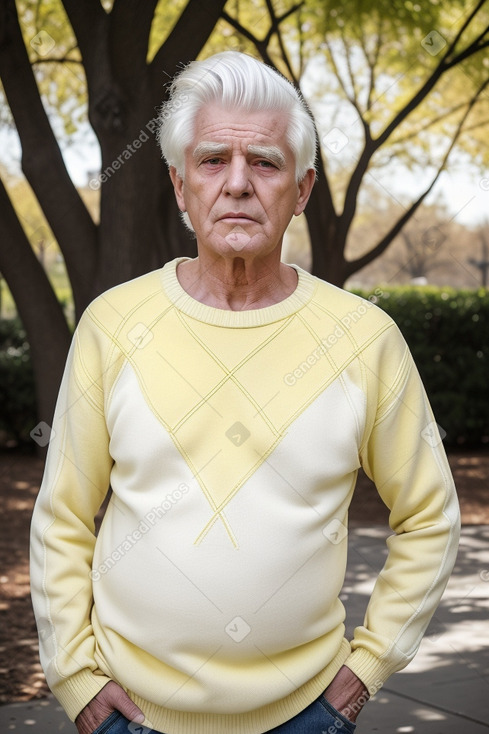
116, 723
318, 718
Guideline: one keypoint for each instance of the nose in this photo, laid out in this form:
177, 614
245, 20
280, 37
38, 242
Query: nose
238, 183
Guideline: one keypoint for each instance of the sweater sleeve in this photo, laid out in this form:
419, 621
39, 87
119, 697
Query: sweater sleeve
404, 456
75, 482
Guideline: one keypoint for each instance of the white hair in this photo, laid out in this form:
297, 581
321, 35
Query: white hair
235, 81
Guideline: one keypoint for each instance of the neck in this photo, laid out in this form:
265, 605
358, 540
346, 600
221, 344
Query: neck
237, 283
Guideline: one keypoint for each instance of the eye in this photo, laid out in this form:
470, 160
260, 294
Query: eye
266, 164
212, 161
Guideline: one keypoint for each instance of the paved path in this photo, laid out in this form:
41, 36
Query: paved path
445, 690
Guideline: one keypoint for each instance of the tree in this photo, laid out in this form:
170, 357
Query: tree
138, 216
482, 264
392, 51
423, 241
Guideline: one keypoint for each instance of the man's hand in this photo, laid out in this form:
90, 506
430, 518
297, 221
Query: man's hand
111, 698
346, 693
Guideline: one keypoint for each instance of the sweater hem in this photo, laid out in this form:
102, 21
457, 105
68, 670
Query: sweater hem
76, 692
258, 721
372, 671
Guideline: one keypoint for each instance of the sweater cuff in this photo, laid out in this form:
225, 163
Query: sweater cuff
75, 692
372, 672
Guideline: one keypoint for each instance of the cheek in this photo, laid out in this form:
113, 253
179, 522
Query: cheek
281, 208
202, 195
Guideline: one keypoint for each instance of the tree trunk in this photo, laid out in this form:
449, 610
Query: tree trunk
139, 223
140, 227
42, 161
322, 223
42, 316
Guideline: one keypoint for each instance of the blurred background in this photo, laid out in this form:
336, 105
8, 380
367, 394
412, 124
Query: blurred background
399, 91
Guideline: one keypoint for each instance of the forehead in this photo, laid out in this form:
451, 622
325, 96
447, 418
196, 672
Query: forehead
215, 123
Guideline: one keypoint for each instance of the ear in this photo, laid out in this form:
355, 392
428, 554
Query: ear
177, 182
305, 188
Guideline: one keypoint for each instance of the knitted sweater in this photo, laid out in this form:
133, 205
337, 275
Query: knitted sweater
231, 442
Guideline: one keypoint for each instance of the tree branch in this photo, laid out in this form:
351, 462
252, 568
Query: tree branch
431, 122
354, 91
337, 74
260, 45
476, 126
289, 12
442, 67
411, 105
468, 52
372, 145
45, 324
301, 44
89, 21
130, 25
372, 62
463, 28
63, 60
19, 265
351, 98
106, 102
189, 35
275, 28
353, 265
351, 195
42, 161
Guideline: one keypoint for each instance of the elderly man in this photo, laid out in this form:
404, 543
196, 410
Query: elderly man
229, 402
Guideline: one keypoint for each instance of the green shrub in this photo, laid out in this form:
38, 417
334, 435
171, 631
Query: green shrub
448, 334
17, 389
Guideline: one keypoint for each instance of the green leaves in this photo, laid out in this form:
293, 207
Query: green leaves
448, 334
17, 394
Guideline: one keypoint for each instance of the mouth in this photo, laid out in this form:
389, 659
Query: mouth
236, 217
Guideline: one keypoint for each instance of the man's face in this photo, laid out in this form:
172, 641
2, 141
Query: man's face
239, 187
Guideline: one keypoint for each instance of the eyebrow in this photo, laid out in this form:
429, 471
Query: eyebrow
204, 149
271, 152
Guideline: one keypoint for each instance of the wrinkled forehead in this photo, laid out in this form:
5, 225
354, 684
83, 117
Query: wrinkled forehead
218, 130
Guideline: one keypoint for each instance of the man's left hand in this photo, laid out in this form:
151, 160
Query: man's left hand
346, 693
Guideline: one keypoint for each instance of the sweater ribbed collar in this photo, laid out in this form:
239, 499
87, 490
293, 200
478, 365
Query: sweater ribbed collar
303, 293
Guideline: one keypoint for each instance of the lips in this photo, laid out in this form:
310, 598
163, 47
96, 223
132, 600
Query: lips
237, 215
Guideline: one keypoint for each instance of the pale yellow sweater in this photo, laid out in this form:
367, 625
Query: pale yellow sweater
232, 441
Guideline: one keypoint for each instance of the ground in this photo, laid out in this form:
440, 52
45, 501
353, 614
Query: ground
21, 679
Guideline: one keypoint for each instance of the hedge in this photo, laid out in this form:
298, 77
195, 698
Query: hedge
447, 331
17, 390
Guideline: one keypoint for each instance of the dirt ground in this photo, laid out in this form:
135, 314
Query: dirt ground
21, 678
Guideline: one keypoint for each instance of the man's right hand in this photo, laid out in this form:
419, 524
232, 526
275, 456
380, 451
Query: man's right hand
111, 698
